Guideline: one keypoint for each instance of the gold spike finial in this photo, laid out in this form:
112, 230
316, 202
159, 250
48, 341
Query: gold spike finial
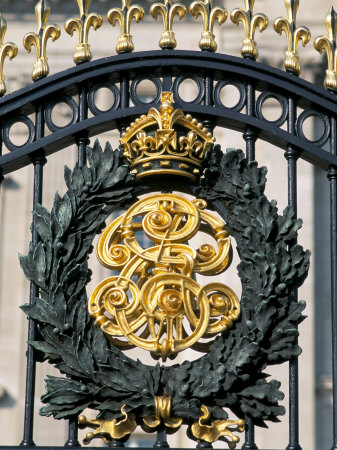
39, 39
250, 22
82, 26
9, 49
328, 43
167, 11
209, 16
124, 16
294, 35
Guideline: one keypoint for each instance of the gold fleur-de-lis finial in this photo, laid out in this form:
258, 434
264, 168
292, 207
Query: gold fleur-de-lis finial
209, 16
9, 49
250, 22
82, 26
167, 11
294, 35
124, 16
328, 43
39, 40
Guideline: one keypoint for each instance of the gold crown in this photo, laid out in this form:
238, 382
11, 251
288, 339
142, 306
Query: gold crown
166, 151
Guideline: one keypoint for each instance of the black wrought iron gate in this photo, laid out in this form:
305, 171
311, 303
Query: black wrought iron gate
168, 69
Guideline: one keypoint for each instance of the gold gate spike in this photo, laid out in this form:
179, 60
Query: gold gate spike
82, 26
250, 22
124, 16
9, 49
209, 16
167, 11
39, 39
294, 35
328, 43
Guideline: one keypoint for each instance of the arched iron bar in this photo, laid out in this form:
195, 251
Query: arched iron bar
175, 63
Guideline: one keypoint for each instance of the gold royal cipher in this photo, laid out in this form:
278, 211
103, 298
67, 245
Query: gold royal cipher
155, 302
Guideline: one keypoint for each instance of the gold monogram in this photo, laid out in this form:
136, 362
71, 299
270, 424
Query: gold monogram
155, 302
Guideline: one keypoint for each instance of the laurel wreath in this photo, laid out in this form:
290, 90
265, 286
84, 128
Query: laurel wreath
231, 375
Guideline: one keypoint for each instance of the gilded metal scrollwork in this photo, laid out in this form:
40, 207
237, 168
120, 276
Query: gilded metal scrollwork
155, 302
108, 429
217, 429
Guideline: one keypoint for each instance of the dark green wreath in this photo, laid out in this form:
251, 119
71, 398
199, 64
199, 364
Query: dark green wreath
231, 375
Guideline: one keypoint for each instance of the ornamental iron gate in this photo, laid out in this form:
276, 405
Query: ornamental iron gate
153, 299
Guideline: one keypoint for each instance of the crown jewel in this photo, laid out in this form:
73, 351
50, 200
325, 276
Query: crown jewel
154, 147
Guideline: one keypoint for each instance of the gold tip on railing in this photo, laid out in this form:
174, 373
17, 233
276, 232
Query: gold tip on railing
250, 22
209, 15
328, 43
294, 34
167, 11
82, 26
124, 16
9, 49
39, 40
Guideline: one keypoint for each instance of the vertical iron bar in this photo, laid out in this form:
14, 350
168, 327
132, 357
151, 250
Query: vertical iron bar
208, 123
250, 136
161, 441
167, 82
292, 156
125, 98
82, 142
39, 161
332, 176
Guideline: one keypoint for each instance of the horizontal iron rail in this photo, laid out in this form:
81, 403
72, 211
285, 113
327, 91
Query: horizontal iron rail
70, 82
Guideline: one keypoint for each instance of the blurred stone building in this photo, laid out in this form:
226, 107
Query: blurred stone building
16, 206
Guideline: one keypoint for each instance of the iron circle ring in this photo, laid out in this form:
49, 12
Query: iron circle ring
91, 97
189, 76
242, 100
7, 127
134, 85
49, 109
283, 103
311, 113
